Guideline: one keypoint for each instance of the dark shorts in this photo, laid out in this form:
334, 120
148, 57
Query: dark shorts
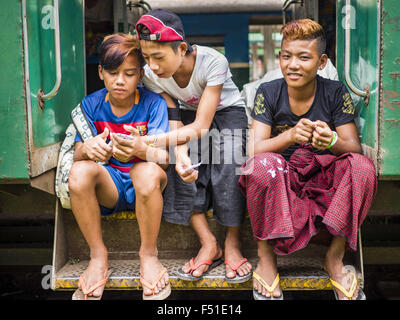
126, 192
222, 153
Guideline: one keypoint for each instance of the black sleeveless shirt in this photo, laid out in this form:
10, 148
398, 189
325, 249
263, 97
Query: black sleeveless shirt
332, 104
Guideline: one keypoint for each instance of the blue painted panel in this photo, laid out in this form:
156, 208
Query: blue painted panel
234, 27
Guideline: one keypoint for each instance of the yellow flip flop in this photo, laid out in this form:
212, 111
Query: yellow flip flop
350, 292
270, 289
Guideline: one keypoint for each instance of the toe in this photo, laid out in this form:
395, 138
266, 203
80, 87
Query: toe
277, 292
244, 270
229, 272
186, 268
198, 272
97, 292
147, 291
265, 293
248, 267
163, 282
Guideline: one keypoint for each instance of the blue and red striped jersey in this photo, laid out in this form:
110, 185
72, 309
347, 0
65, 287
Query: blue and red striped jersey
148, 114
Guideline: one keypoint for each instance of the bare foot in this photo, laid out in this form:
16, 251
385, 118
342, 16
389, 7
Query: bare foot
210, 251
339, 273
267, 270
234, 256
150, 268
94, 273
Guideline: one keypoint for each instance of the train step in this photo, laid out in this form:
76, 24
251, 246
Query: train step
301, 270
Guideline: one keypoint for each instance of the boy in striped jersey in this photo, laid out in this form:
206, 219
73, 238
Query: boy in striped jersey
133, 178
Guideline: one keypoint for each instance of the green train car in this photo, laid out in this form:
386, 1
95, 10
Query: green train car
44, 77
47, 70
367, 45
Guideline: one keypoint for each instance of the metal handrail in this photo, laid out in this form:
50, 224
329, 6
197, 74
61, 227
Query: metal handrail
138, 4
362, 93
47, 96
286, 5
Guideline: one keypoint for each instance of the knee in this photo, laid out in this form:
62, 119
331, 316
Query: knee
82, 173
147, 179
365, 169
264, 166
364, 165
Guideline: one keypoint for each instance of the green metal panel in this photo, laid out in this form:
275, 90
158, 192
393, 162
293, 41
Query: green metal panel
31, 136
13, 143
363, 60
390, 90
375, 61
48, 125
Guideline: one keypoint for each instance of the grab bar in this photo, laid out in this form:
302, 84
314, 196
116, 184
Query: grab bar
286, 5
362, 93
42, 97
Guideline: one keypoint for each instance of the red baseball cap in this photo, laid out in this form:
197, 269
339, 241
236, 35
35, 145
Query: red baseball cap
163, 26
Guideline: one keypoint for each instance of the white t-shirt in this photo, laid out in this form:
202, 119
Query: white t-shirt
211, 68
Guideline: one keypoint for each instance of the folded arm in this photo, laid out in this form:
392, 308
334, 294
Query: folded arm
304, 131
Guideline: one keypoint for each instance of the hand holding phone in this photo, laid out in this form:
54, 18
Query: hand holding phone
124, 136
194, 166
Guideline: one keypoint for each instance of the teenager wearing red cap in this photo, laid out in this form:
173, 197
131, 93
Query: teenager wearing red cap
210, 108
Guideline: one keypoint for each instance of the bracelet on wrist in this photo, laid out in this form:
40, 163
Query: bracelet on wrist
334, 140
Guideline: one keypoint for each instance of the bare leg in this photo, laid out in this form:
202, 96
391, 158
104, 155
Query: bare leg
266, 269
87, 183
233, 254
334, 264
209, 245
149, 180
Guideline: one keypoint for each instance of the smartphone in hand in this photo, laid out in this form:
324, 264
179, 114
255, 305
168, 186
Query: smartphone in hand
194, 166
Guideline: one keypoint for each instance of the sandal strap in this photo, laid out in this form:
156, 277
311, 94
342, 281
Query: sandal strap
234, 268
348, 293
271, 288
98, 284
194, 267
151, 285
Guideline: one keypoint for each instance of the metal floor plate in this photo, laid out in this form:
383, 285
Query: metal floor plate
300, 271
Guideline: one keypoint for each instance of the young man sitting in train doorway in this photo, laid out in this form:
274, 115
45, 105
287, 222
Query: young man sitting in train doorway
132, 179
307, 174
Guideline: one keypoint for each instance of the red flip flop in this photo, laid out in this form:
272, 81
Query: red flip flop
237, 278
189, 276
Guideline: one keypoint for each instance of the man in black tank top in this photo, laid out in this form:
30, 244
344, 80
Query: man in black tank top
307, 173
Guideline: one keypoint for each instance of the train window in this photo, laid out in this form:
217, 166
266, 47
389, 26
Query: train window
264, 46
98, 23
